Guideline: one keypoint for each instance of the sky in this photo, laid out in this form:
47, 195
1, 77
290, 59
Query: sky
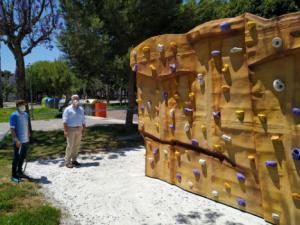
38, 53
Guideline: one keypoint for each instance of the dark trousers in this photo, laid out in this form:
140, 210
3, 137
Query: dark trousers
19, 157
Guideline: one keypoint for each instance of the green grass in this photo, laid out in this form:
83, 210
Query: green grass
117, 106
23, 204
39, 113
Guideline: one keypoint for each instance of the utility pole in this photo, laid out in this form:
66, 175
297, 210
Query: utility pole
1, 89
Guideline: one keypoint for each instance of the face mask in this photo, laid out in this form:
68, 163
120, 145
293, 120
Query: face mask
22, 108
75, 103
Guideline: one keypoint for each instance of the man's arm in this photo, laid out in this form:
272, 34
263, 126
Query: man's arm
13, 124
83, 123
65, 119
14, 136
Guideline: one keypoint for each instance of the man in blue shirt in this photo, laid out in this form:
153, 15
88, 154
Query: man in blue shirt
74, 127
20, 134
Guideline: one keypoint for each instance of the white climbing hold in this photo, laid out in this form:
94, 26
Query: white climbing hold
226, 138
275, 217
172, 113
190, 184
215, 194
277, 42
200, 78
187, 127
236, 50
202, 162
160, 48
278, 85
149, 104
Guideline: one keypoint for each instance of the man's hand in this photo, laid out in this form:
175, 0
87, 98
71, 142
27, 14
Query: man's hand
18, 143
65, 133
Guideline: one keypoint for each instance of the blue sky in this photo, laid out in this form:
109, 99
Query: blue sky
38, 53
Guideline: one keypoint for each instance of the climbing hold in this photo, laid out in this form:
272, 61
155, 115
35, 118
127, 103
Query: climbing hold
218, 148
190, 184
227, 186
146, 51
188, 110
241, 177
155, 152
203, 128
275, 138
225, 26
296, 111
215, 194
139, 100
277, 42
251, 157
217, 115
275, 217
251, 24
142, 125
296, 196
157, 125
142, 108
165, 95
241, 202
196, 172
226, 138
134, 54
172, 67
171, 126
157, 109
215, 53
191, 95
166, 153
173, 47
177, 154
195, 142
135, 67
202, 162
160, 48
225, 68
236, 50
296, 153
200, 78
225, 88
178, 176
187, 127
151, 161
270, 163
172, 113
153, 69
262, 117
240, 114
176, 96
278, 85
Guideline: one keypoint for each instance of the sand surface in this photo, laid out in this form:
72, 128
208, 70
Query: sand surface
111, 188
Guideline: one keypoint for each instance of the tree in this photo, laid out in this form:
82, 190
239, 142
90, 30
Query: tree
7, 86
52, 78
24, 24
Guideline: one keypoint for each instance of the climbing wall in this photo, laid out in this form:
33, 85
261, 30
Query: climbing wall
219, 108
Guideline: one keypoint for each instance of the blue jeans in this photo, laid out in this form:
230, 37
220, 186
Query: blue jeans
19, 157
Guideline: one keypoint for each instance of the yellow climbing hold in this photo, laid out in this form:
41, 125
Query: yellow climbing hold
218, 148
191, 95
240, 114
225, 68
251, 24
203, 128
227, 186
146, 50
251, 157
176, 96
262, 117
275, 138
296, 196
225, 88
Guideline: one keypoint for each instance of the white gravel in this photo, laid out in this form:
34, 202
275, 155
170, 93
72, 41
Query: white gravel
111, 188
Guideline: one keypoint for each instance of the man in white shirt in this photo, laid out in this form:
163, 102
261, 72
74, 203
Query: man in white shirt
74, 128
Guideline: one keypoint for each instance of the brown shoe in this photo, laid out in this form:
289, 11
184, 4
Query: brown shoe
69, 165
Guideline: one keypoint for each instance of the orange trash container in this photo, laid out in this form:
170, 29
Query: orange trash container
100, 109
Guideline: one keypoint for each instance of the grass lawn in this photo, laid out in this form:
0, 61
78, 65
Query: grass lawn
117, 106
23, 204
39, 113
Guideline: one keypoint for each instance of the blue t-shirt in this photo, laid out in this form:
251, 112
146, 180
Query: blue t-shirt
73, 117
19, 122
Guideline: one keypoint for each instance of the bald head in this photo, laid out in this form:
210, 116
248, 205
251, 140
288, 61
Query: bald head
75, 97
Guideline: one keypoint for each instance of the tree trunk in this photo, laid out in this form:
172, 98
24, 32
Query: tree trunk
107, 94
131, 101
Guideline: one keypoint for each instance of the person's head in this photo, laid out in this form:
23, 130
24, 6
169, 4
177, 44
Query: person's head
21, 106
75, 100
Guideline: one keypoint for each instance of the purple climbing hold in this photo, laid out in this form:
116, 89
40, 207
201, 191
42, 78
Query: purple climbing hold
296, 153
188, 110
135, 67
241, 202
195, 142
142, 108
173, 67
196, 172
172, 126
241, 177
156, 150
178, 176
225, 26
215, 53
165, 95
217, 115
296, 111
270, 163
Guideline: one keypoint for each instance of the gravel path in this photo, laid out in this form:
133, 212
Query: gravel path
111, 189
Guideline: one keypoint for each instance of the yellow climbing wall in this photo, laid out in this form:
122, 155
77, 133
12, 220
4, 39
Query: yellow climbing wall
219, 108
